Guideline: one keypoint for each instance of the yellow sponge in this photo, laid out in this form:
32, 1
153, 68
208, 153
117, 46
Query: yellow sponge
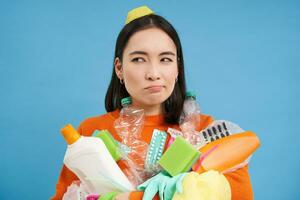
210, 185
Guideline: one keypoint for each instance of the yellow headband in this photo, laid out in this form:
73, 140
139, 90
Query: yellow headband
137, 13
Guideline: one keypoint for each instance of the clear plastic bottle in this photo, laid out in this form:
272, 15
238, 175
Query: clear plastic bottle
190, 118
130, 122
129, 126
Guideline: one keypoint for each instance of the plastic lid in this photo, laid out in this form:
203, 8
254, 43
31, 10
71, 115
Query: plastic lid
190, 94
126, 101
70, 134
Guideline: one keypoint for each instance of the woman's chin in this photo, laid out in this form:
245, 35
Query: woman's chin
154, 100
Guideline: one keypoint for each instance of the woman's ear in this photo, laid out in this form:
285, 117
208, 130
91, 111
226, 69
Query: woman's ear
118, 68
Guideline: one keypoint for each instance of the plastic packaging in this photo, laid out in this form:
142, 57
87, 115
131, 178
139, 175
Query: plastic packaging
212, 142
217, 130
75, 191
156, 149
190, 118
129, 126
92, 197
227, 154
90, 160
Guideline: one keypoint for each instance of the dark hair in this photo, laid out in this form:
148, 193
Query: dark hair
172, 107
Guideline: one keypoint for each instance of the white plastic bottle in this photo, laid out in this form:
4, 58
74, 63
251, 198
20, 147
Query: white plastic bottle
90, 160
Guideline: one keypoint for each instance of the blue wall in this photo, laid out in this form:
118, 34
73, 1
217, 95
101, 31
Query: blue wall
242, 60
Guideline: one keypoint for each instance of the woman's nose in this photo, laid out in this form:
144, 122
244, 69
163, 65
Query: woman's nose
153, 73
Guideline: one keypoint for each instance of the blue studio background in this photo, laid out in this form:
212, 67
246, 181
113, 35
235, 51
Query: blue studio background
241, 58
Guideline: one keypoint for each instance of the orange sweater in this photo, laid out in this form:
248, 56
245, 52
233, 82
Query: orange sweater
239, 180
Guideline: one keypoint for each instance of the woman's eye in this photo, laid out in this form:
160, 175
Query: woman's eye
139, 59
166, 60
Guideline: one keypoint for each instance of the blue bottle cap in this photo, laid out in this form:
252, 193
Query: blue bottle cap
190, 94
126, 101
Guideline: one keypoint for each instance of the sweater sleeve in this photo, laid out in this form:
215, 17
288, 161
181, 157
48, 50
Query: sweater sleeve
239, 180
138, 195
240, 184
65, 179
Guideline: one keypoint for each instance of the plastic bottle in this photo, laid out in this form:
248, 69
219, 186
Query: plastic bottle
129, 126
90, 160
190, 118
130, 122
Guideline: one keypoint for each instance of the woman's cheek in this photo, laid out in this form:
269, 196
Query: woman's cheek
133, 84
132, 78
170, 78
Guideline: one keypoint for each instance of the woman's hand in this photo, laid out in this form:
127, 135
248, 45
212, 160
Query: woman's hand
123, 196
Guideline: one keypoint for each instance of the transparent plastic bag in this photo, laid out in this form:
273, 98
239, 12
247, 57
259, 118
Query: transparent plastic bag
76, 191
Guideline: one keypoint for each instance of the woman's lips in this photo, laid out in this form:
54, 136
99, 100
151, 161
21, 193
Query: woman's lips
154, 89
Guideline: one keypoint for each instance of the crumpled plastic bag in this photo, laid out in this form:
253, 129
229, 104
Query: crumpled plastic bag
76, 191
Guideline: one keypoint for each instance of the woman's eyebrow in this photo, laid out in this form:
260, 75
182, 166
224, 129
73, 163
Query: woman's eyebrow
138, 52
145, 53
167, 53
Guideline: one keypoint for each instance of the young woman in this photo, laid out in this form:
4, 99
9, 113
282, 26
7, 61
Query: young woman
149, 67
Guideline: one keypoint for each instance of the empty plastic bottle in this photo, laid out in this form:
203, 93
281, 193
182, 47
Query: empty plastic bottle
190, 118
130, 122
129, 126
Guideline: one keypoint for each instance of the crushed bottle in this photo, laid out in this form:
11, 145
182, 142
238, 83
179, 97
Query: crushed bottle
133, 150
190, 118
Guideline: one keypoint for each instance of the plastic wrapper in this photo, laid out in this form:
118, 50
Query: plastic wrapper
76, 191
217, 130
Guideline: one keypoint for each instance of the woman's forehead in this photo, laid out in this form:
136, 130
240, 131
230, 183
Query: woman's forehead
152, 40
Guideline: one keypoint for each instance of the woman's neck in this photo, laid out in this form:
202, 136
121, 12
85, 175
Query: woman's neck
151, 110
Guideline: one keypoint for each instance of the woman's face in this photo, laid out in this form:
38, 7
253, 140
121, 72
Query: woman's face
149, 67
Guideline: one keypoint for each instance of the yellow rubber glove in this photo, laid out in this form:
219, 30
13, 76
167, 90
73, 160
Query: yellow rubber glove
210, 185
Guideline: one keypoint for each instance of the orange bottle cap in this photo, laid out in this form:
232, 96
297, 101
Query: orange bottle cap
70, 134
